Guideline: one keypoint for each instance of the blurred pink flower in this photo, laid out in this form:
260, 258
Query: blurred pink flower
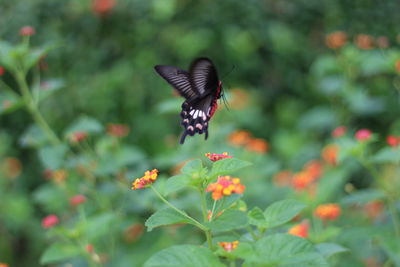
50, 221
339, 131
76, 200
363, 135
2, 71
27, 31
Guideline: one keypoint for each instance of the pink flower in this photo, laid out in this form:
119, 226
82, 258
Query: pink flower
1, 71
393, 141
27, 31
216, 157
339, 131
363, 135
77, 137
76, 200
50, 221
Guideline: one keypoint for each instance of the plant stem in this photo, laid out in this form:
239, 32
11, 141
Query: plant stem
33, 109
204, 210
195, 222
212, 211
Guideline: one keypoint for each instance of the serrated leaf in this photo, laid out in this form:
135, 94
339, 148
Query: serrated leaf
256, 217
330, 249
176, 183
282, 211
58, 252
184, 256
227, 166
165, 217
363, 196
52, 157
229, 220
285, 250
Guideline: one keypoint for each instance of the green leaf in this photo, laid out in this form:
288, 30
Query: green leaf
192, 166
363, 196
330, 249
58, 252
47, 88
176, 183
282, 211
227, 166
184, 256
100, 225
229, 220
164, 217
9, 101
84, 124
285, 250
386, 155
6, 58
52, 157
33, 56
256, 217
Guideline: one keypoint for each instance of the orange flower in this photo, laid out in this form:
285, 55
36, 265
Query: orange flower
229, 246
50, 221
328, 212
363, 135
300, 229
216, 157
339, 131
148, 178
364, 41
283, 178
397, 65
27, 31
330, 154
103, 7
240, 99
336, 39
239, 138
118, 130
77, 200
59, 176
301, 180
3, 264
257, 145
225, 186
12, 167
314, 168
373, 209
77, 137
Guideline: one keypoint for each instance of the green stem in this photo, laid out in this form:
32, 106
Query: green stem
255, 237
212, 211
204, 210
198, 224
33, 109
395, 218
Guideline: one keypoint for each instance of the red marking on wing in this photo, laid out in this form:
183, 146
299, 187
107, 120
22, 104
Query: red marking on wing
214, 104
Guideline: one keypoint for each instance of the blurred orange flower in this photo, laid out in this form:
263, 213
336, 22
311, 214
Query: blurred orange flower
300, 229
328, 212
283, 178
336, 39
225, 186
12, 167
240, 99
314, 168
148, 178
216, 157
374, 209
330, 154
239, 138
3, 264
301, 180
117, 130
134, 232
59, 176
364, 41
229, 246
397, 65
257, 145
103, 7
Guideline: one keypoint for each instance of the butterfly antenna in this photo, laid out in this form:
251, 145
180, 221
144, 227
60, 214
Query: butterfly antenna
227, 73
225, 101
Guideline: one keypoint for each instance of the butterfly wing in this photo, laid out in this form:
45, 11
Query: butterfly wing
179, 79
203, 77
196, 115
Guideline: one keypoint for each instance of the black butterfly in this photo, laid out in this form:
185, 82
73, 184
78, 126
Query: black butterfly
201, 89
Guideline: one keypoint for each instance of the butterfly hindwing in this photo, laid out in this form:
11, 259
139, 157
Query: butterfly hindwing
179, 79
203, 76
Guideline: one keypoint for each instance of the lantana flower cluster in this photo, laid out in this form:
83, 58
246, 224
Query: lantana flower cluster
148, 178
229, 246
225, 186
300, 229
327, 212
216, 157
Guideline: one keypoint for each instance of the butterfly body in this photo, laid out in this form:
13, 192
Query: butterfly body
201, 89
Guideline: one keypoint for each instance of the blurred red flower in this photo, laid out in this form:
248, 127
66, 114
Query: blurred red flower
77, 137
50, 221
118, 130
76, 200
89, 248
339, 131
393, 141
336, 39
397, 65
216, 157
2, 71
374, 209
27, 31
363, 135
382, 42
283, 178
103, 7
134, 232
12, 167
364, 41
3, 264
229, 246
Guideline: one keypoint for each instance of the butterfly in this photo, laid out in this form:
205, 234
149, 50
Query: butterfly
201, 89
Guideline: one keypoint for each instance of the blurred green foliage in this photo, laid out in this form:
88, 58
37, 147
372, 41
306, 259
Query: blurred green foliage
284, 85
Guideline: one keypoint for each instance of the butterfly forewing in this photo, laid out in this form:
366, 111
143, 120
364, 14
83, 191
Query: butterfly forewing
179, 79
203, 76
